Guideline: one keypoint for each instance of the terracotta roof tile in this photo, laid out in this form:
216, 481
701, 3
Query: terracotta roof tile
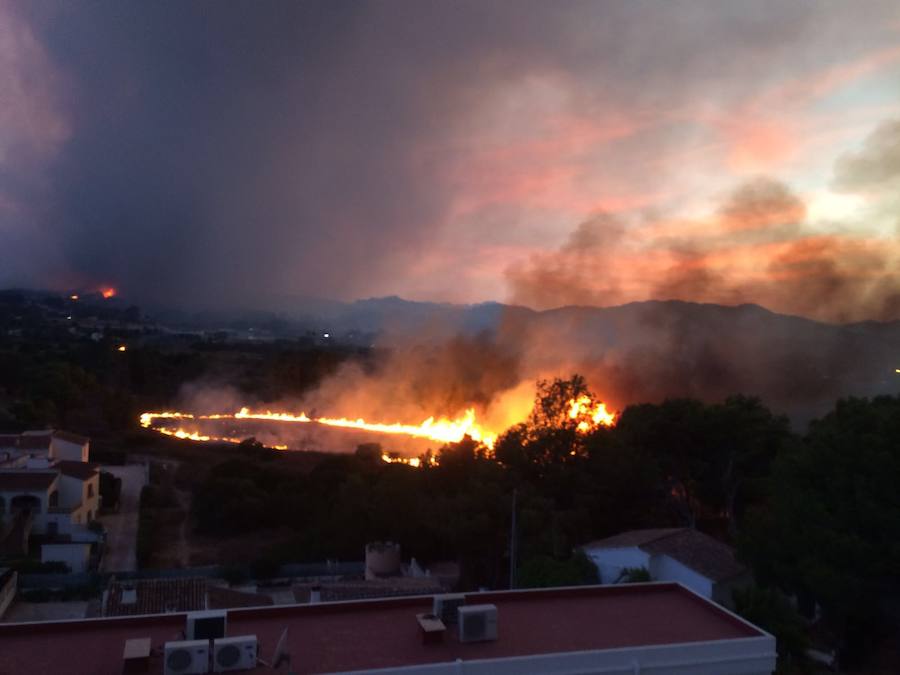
700, 552
156, 596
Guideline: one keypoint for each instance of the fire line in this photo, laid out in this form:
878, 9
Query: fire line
590, 415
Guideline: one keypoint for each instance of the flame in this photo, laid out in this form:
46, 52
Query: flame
74, 296
108, 292
121, 348
596, 413
444, 430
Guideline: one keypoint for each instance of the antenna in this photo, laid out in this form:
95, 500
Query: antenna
281, 654
512, 544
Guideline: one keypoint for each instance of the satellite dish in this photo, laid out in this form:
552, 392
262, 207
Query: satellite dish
282, 654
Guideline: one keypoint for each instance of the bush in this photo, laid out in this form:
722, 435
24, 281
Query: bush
544, 572
770, 610
633, 575
110, 490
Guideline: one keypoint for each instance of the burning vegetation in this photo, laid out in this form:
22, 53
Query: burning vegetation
582, 412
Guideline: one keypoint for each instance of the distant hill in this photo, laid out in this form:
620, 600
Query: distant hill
646, 351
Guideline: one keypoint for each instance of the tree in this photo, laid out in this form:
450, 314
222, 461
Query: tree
829, 533
550, 434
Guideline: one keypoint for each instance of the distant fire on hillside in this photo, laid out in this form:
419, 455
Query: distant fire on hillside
586, 413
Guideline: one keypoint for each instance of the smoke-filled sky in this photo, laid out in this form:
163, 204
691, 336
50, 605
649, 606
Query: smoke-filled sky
544, 153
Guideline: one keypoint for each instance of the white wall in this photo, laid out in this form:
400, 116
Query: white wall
664, 568
60, 449
76, 556
611, 561
71, 491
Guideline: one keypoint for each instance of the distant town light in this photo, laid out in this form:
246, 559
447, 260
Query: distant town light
121, 348
74, 296
69, 317
326, 335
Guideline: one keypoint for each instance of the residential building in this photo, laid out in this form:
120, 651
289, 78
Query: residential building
47, 444
48, 489
652, 629
700, 562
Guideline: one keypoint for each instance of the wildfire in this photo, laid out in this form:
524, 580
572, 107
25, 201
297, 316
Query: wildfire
443, 429
108, 292
596, 413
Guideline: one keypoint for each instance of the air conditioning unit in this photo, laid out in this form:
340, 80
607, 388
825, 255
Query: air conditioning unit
234, 653
445, 606
186, 657
477, 623
207, 625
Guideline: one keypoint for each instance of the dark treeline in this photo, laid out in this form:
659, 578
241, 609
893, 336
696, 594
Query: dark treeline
60, 365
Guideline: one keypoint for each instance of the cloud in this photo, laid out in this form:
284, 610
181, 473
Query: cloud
876, 165
247, 153
757, 247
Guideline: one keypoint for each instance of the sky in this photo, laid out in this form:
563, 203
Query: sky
244, 154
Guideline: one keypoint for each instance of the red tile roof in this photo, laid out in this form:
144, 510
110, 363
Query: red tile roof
156, 596
80, 470
700, 552
331, 637
26, 481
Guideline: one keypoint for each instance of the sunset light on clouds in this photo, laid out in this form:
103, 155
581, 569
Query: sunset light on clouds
459, 152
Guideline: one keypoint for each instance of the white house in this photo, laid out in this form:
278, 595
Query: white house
67, 446
700, 562
56, 502
46, 444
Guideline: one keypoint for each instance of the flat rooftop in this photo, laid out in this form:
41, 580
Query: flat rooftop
334, 637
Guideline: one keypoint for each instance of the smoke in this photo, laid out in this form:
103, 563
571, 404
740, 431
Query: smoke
249, 153
758, 246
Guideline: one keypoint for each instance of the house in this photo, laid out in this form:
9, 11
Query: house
700, 562
48, 489
652, 629
47, 445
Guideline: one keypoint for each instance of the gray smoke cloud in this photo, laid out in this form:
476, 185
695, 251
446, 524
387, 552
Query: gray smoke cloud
241, 153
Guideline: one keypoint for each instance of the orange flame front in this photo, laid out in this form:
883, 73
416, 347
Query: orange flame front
596, 414
444, 430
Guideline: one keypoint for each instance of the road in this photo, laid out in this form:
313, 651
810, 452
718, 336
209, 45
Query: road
121, 527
